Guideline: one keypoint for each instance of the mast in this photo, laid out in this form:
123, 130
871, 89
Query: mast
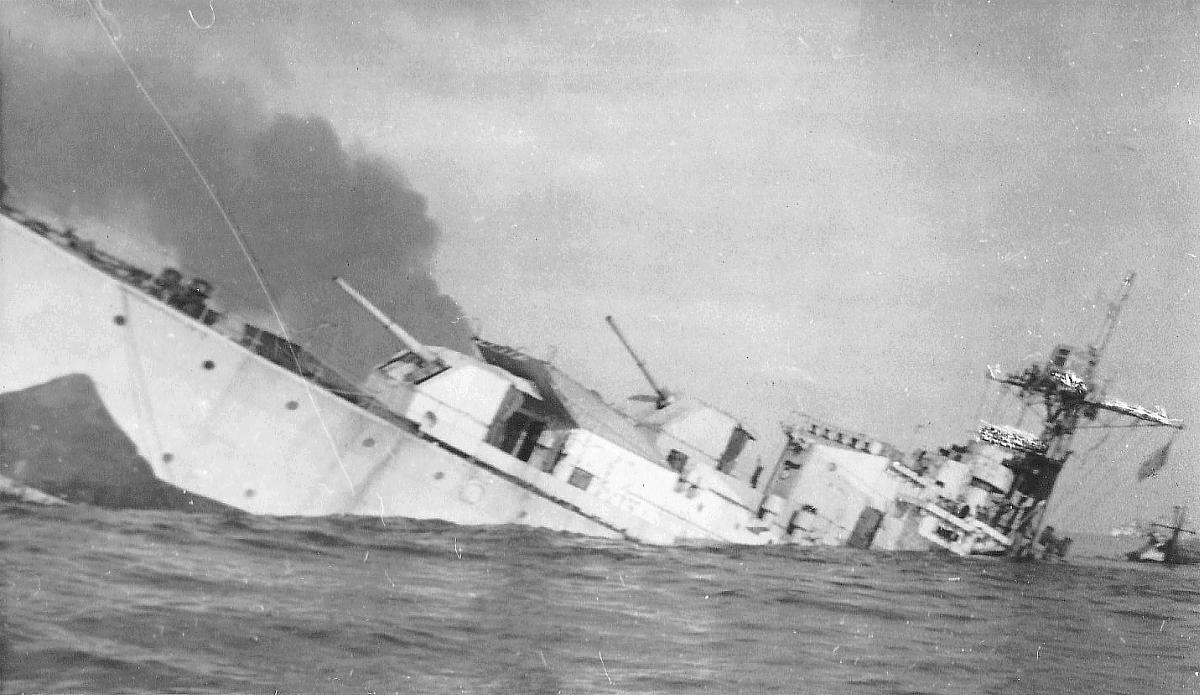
1110, 324
1059, 432
662, 398
1065, 388
1172, 552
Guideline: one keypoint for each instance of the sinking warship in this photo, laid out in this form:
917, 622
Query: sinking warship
988, 496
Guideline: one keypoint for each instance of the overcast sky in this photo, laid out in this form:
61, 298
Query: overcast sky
843, 210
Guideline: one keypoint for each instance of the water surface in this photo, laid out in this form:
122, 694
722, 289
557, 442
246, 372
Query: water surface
98, 600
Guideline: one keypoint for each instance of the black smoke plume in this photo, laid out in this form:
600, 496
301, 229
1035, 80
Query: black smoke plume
81, 139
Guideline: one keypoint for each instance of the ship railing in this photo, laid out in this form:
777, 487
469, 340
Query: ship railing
909, 473
945, 514
993, 532
815, 531
83, 247
967, 525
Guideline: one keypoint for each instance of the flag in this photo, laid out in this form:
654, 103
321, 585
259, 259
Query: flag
1154, 463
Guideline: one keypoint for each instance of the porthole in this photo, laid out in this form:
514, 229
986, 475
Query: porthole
439, 475
168, 457
368, 442
249, 493
292, 405
208, 364
119, 320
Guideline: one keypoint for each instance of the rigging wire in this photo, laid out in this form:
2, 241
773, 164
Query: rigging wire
1120, 474
101, 13
1025, 408
1099, 442
983, 397
998, 393
1085, 459
1093, 496
1067, 507
1118, 427
989, 404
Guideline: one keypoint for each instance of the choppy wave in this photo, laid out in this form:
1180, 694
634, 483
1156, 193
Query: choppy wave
103, 601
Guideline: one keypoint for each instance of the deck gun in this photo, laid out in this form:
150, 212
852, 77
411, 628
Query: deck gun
662, 398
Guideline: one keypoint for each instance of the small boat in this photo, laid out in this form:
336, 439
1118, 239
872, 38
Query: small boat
1165, 543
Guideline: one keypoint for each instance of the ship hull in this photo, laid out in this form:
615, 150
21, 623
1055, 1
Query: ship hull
212, 418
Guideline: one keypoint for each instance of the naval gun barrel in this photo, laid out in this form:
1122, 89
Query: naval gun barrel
663, 397
394, 328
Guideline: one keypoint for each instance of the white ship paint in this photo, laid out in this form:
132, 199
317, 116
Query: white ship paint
494, 438
215, 419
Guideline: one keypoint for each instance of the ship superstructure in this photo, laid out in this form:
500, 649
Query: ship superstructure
989, 496
1067, 392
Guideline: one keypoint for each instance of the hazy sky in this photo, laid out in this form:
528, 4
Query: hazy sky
843, 210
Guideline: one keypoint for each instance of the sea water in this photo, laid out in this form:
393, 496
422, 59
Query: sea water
102, 601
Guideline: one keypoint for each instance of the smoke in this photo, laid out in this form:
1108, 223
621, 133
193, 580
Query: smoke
81, 139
